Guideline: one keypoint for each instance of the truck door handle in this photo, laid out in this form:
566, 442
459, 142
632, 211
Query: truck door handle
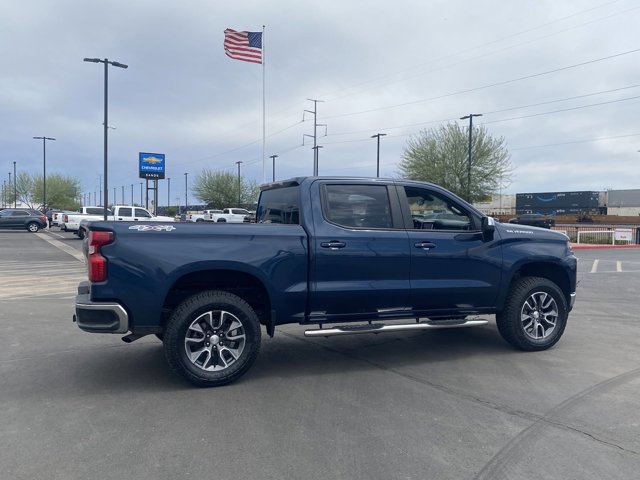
425, 245
333, 245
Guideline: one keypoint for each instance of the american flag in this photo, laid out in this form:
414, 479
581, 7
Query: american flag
245, 46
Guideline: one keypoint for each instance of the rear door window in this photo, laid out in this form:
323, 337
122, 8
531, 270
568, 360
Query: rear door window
279, 205
357, 206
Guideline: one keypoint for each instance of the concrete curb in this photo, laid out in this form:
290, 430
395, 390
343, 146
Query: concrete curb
584, 246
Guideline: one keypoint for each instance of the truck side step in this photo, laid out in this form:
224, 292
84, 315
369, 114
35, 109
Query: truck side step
399, 327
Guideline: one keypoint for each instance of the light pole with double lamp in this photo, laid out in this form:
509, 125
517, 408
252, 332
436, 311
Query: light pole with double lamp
106, 127
44, 169
470, 117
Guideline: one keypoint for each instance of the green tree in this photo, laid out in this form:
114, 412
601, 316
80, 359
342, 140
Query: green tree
220, 189
441, 155
24, 189
62, 192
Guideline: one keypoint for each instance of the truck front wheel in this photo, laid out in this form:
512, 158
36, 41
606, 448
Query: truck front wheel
212, 338
535, 314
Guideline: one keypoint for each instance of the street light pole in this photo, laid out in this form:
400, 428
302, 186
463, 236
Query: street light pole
168, 191
9, 186
15, 187
44, 169
141, 204
132, 194
378, 135
186, 200
106, 128
273, 158
470, 117
239, 188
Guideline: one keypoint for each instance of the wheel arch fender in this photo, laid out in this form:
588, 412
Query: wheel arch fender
240, 279
551, 270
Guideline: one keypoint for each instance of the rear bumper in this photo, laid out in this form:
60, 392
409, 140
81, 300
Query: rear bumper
99, 317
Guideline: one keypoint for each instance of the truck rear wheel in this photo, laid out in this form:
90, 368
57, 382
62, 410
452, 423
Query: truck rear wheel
535, 314
212, 338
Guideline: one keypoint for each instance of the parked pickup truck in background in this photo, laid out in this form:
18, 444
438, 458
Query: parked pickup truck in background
534, 219
120, 213
369, 255
205, 216
231, 215
70, 221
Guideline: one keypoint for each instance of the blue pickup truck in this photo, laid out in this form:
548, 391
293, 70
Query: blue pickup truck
339, 255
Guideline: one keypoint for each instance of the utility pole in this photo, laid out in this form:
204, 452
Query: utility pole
44, 170
239, 187
378, 135
273, 160
141, 204
132, 194
470, 117
314, 112
168, 191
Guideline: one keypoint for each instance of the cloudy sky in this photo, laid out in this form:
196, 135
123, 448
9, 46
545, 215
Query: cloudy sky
558, 80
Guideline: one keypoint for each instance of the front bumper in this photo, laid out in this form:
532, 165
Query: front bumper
572, 300
99, 317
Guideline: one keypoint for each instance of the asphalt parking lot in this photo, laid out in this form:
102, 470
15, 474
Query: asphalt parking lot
456, 404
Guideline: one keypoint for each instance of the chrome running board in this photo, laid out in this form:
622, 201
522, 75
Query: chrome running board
382, 328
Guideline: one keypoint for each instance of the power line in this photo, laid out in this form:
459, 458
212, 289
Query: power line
588, 140
558, 100
562, 110
496, 84
423, 64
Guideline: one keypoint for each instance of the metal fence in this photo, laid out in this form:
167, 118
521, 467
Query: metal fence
601, 234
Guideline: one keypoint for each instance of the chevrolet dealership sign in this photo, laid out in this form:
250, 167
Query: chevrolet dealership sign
151, 165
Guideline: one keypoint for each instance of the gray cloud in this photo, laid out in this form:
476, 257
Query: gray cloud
183, 97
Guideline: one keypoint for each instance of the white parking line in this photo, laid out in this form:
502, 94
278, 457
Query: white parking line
618, 266
594, 268
71, 251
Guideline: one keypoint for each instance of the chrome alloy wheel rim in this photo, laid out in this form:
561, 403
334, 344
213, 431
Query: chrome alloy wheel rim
215, 340
539, 315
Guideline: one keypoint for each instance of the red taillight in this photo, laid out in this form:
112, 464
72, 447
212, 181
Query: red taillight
96, 263
66, 218
43, 218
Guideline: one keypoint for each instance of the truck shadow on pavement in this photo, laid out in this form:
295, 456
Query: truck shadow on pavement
291, 355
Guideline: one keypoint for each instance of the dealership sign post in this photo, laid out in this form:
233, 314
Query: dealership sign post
151, 167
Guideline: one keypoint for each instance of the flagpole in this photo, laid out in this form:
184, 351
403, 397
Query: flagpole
264, 165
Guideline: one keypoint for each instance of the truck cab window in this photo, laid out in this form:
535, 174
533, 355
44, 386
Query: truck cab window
431, 211
279, 205
142, 213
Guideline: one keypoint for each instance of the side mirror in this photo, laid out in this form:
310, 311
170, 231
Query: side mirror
488, 227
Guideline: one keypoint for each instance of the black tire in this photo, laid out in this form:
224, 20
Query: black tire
534, 315
221, 220
81, 233
33, 227
199, 220
206, 332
